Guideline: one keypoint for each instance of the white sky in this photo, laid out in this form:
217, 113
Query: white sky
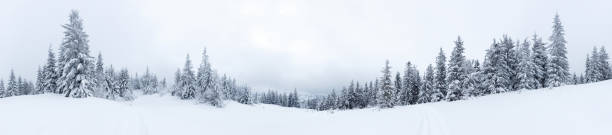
311, 45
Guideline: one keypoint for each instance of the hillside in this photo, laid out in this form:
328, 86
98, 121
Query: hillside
567, 110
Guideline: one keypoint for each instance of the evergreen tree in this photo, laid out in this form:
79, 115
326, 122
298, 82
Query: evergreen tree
386, 93
186, 83
49, 74
122, 85
539, 58
526, 68
76, 76
412, 85
2, 89
605, 65
212, 95
39, 82
558, 67
204, 76
12, 88
401, 93
440, 84
593, 70
428, 91
495, 70
456, 72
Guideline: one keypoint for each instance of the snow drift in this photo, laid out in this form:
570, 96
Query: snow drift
567, 110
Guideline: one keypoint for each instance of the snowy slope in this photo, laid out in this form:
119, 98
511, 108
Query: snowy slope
569, 110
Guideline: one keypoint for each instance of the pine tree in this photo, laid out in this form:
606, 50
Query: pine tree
149, 83
176, 90
412, 85
76, 76
401, 93
440, 84
526, 68
558, 67
204, 75
428, 92
212, 96
39, 82
456, 72
49, 74
386, 93
2, 89
12, 88
605, 65
122, 85
495, 70
540, 59
187, 81
593, 72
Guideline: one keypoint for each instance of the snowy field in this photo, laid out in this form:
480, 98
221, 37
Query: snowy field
568, 110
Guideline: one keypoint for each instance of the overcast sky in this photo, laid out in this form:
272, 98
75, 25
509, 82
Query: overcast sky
311, 45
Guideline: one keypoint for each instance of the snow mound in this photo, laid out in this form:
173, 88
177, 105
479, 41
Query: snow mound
567, 110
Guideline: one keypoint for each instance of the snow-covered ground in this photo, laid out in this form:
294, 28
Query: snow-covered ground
568, 110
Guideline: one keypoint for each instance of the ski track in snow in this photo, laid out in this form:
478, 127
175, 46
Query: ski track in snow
568, 110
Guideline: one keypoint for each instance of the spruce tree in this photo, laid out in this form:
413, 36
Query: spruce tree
76, 77
49, 84
39, 82
526, 68
186, 83
2, 89
204, 75
604, 64
456, 72
428, 91
386, 93
539, 58
12, 88
440, 84
558, 67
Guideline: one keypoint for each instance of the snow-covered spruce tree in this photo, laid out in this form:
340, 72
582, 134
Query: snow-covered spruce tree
123, 85
187, 81
412, 85
509, 53
76, 78
401, 93
456, 72
593, 67
204, 76
440, 84
494, 70
473, 83
385, 98
558, 67
526, 68
12, 87
100, 77
427, 89
539, 58
39, 82
2, 89
212, 95
149, 83
49, 84
605, 65
110, 88
176, 88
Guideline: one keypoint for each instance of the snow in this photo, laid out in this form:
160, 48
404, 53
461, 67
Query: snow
566, 110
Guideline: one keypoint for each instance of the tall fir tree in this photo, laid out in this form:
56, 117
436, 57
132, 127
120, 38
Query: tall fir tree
605, 64
558, 67
204, 78
49, 73
2, 88
76, 77
428, 91
186, 83
12, 87
412, 84
456, 72
385, 96
526, 68
539, 58
440, 84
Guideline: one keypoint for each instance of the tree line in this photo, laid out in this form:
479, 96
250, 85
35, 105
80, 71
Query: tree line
509, 65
